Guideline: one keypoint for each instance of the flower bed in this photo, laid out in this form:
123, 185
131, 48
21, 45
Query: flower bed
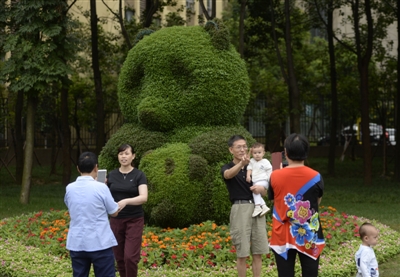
34, 245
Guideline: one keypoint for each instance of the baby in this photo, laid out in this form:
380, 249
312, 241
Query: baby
259, 170
366, 263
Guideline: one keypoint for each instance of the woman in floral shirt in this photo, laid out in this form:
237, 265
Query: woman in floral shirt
297, 191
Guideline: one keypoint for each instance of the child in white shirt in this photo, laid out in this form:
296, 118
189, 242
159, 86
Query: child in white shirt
258, 171
367, 265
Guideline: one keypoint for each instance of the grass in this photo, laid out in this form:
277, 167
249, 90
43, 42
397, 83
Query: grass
46, 193
345, 192
379, 201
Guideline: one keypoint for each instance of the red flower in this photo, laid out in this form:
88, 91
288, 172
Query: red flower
173, 257
217, 246
268, 256
144, 253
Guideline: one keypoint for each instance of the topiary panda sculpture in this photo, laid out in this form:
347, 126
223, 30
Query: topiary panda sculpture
182, 92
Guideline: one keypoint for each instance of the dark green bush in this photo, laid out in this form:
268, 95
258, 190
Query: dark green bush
167, 171
221, 205
219, 34
213, 145
185, 134
141, 139
198, 167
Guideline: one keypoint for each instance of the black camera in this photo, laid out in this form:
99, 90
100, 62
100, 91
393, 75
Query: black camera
284, 161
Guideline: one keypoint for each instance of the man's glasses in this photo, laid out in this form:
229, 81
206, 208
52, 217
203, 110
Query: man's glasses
240, 147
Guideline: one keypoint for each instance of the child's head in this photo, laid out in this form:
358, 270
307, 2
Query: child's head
258, 151
368, 234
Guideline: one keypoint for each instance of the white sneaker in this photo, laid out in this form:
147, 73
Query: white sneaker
264, 210
257, 211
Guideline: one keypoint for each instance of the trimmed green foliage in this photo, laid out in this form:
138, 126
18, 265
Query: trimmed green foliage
173, 197
209, 148
213, 145
187, 87
141, 139
219, 34
176, 77
185, 134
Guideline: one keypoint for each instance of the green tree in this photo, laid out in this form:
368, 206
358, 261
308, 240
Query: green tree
265, 51
36, 60
322, 14
369, 32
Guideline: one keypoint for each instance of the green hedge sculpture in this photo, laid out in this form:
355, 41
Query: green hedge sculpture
182, 91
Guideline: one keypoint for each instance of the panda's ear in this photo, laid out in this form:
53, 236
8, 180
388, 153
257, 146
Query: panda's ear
140, 35
219, 34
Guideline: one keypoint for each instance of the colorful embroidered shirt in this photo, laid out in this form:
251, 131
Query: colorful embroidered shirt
295, 222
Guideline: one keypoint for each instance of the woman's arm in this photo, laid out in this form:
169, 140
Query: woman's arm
138, 200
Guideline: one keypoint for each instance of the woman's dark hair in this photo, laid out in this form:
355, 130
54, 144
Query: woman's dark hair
297, 147
125, 146
86, 162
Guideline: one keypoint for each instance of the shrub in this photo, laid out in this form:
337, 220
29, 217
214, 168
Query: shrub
174, 197
141, 139
213, 145
187, 133
176, 77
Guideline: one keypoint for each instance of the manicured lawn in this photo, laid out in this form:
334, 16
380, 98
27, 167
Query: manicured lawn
379, 201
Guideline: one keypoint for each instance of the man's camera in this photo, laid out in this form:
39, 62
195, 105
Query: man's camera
284, 161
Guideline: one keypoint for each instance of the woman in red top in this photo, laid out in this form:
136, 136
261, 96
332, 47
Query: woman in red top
296, 229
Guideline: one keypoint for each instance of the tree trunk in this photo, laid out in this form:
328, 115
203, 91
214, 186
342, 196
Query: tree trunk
334, 98
19, 140
363, 60
213, 8
123, 29
397, 117
28, 151
53, 142
243, 4
276, 44
100, 139
294, 95
204, 9
120, 18
366, 142
151, 8
66, 137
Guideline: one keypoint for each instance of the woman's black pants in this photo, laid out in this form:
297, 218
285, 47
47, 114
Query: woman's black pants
309, 266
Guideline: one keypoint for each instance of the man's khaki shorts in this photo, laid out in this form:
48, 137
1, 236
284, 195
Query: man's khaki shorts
247, 232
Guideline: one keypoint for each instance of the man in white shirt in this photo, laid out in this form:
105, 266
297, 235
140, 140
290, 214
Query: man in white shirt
90, 239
